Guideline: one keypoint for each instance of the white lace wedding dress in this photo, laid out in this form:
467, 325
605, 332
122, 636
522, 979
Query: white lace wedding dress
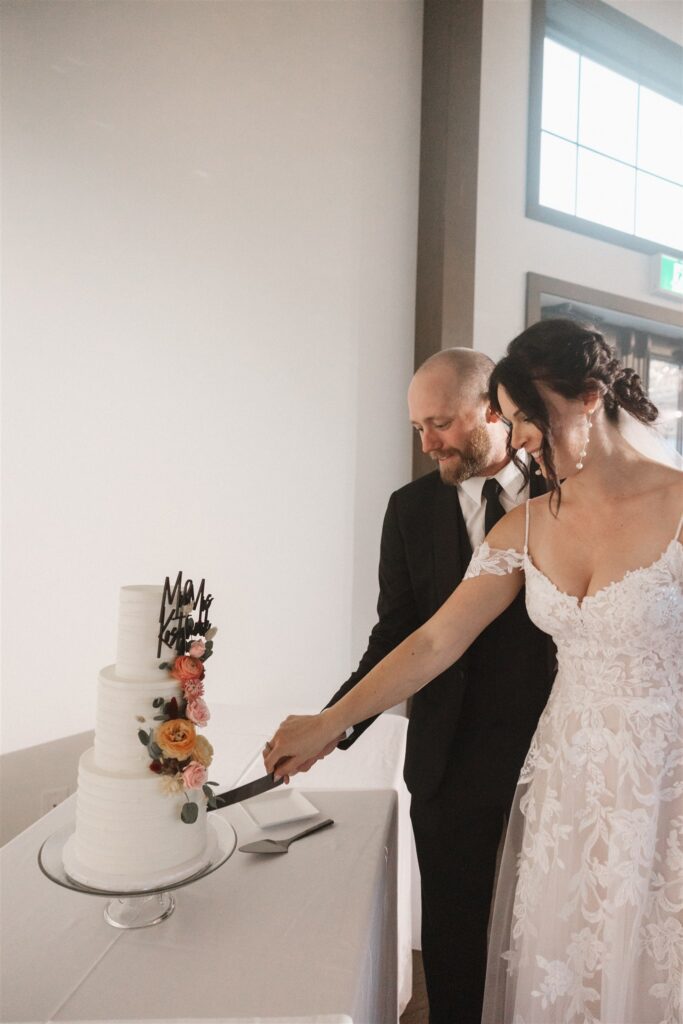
587, 925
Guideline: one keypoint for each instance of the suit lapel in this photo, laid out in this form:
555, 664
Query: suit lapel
449, 534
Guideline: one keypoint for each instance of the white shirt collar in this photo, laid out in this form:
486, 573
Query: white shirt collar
509, 478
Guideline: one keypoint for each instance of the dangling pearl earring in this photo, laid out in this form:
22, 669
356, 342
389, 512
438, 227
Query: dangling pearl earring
582, 455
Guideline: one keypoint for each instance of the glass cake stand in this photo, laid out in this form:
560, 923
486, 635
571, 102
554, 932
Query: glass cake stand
143, 907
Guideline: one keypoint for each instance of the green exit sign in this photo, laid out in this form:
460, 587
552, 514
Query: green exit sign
668, 276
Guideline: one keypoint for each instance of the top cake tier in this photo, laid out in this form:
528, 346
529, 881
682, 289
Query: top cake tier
138, 636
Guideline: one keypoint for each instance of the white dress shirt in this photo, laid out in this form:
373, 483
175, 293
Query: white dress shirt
473, 506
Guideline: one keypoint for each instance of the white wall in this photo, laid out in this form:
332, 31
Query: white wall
210, 216
508, 243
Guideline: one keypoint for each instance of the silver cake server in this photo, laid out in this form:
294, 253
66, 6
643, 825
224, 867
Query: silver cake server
282, 845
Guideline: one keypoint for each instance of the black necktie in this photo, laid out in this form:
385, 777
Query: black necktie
494, 510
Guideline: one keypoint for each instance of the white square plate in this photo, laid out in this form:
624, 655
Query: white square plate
278, 808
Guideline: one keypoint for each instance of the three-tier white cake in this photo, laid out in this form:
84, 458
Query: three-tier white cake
129, 834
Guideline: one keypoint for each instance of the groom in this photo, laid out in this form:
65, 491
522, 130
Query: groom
470, 728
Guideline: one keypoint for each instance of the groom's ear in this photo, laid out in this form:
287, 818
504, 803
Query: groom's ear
492, 416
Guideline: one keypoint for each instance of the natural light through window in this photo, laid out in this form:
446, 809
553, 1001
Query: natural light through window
611, 149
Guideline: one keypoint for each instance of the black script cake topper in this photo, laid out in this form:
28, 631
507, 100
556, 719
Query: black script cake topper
184, 614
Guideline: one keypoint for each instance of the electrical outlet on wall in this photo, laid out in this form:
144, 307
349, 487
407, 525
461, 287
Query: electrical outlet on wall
52, 797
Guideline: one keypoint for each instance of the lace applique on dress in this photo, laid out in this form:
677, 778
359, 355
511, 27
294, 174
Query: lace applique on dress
594, 852
494, 561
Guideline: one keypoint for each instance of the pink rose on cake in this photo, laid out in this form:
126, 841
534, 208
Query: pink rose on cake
193, 688
197, 649
195, 775
198, 712
176, 738
186, 668
203, 751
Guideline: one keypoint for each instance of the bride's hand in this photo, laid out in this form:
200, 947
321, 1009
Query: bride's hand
298, 739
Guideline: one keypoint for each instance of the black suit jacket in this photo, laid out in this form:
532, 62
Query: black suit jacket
478, 716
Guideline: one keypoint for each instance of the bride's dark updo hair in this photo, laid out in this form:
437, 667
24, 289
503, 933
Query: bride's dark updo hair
574, 360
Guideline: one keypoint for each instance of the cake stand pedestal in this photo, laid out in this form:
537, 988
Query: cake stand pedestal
140, 908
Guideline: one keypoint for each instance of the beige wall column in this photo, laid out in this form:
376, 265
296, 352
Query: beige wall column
451, 78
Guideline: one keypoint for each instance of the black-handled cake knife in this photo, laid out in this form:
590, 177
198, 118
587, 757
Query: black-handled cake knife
245, 792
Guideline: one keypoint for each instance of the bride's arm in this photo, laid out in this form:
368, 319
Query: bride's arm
421, 657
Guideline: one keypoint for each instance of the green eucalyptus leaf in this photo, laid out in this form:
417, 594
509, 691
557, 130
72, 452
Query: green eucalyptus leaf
143, 737
157, 702
155, 749
207, 655
189, 813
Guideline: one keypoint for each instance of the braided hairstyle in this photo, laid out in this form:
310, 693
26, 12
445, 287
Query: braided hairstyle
573, 359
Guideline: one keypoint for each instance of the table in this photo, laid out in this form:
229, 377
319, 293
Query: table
307, 936
375, 761
40, 920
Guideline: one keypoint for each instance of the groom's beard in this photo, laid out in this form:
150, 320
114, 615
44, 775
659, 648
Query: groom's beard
472, 460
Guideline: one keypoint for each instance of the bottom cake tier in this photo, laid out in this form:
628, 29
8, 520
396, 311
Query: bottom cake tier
129, 834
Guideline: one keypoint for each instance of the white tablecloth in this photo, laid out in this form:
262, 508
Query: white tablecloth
375, 761
307, 936
310, 934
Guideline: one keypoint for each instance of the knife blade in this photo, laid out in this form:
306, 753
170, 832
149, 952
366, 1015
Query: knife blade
245, 792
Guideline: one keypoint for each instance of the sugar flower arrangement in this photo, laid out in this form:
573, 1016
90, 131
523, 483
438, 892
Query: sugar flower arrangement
177, 752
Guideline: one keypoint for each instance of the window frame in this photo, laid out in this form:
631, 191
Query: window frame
643, 39
641, 349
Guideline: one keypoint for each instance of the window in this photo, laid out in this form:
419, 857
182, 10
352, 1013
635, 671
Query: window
647, 337
606, 126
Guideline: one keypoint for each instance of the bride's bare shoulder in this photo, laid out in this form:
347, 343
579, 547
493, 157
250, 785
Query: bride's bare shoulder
667, 481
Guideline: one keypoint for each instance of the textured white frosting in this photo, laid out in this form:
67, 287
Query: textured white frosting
121, 703
138, 633
129, 834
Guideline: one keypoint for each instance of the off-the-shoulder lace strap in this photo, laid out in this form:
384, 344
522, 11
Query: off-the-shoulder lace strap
494, 561
526, 529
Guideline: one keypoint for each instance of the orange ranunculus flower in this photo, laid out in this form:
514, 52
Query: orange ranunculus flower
186, 668
177, 738
203, 751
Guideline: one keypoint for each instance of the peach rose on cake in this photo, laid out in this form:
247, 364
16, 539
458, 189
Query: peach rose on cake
198, 712
176, 738
203, 751
195, 775
186, 668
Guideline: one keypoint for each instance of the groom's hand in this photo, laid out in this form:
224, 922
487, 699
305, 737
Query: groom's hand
307, 765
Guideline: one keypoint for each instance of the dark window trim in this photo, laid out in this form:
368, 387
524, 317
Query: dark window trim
642, 347
541, 25
539, 284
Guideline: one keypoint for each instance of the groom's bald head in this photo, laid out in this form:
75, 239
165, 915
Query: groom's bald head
448, 403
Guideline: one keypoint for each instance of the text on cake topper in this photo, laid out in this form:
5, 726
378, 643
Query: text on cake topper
178, 622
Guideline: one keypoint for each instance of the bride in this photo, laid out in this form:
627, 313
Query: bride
587, 923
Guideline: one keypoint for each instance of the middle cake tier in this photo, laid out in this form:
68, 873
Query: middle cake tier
124, 707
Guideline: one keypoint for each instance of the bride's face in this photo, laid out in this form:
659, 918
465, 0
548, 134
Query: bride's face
568, 429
